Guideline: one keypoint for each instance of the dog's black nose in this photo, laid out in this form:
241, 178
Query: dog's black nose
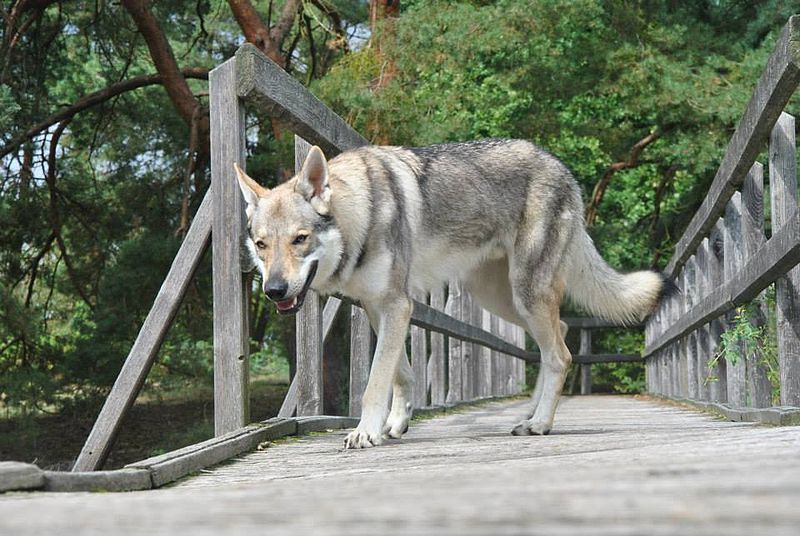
275, 289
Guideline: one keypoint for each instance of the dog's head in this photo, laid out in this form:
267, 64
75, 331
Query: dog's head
292, 232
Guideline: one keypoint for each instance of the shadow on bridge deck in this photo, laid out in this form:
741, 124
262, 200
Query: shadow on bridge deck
613, 465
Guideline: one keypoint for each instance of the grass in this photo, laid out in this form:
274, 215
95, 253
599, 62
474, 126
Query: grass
162, 419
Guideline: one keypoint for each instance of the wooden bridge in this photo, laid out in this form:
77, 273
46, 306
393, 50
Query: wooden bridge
678, 461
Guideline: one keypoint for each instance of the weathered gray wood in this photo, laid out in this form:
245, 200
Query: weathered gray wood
20, 476
454, 363
419, 361
484, 373
324, 423
231, 365
704, 331
98, 481
732, 259
772, 260
759, 389
266, 85
289, 405
579, 322
332, 306
773, 91
145, 349
467, 350
308, 331
783, 195
497, 359
360, 357
173, 465
718, 390
586, 370
448, 324
436, 362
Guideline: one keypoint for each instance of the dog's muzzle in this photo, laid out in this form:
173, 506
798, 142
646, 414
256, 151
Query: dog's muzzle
292, 305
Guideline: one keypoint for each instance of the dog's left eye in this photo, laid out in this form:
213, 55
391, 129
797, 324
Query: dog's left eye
299, 239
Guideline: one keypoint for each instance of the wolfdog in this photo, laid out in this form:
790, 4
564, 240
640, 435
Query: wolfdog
376, 224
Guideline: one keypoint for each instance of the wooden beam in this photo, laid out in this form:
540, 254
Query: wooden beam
262, 82
308, 331
231, 363
773, 91
145, 349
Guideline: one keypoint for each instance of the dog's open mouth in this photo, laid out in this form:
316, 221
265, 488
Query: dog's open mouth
292, 305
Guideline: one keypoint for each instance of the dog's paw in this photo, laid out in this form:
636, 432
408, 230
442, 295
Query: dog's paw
531, 427
362, 439
397, 423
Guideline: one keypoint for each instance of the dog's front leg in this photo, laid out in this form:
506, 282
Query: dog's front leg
392, 316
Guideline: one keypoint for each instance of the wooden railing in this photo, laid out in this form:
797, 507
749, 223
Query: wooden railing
458, 351
724, 261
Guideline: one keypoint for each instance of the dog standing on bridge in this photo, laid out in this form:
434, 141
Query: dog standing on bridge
377, 223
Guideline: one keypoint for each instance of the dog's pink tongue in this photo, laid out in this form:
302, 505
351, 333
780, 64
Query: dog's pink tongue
285, 305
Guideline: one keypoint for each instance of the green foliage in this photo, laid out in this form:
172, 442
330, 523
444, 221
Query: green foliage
753, 333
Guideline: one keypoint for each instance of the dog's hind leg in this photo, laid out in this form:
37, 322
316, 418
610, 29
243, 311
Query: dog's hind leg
537, 390
400, 414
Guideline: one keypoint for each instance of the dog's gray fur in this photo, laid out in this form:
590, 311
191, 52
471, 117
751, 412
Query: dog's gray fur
503, 216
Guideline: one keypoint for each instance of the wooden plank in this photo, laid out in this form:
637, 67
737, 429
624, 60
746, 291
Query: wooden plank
586, 370
732, 259
308, 331
231, 364
98, 481
436, 363
148, 341
497, 359
289, 405
467, 350
332, 306
773, 91
173, 465
419, 361
20, 476
452, 314
361, 342
704, 331
578, 322
485, 359
783, 195
266, 85
718, 390
446, 323
759, 388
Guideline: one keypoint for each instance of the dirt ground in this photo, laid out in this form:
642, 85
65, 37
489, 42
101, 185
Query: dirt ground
152, 427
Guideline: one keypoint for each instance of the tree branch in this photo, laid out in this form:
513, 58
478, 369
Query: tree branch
268, 40
93, 99
601, 186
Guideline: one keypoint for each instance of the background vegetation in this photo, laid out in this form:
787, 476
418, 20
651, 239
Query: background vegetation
104, 133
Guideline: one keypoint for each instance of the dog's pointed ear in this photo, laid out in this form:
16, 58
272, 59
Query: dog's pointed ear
312, 181
251, 190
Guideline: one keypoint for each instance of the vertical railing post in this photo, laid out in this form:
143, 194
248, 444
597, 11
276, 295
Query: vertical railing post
485, 359
703, 332
361, 339
692, 356
231, 363
586, 370
454, 377
732, 257
436, 362
308, 332
718, 370
759, 389
419, 361
783, 192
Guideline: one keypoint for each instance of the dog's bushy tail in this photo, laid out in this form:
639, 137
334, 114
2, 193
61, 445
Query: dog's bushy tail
596, 286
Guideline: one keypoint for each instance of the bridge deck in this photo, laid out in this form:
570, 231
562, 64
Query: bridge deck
613, 465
